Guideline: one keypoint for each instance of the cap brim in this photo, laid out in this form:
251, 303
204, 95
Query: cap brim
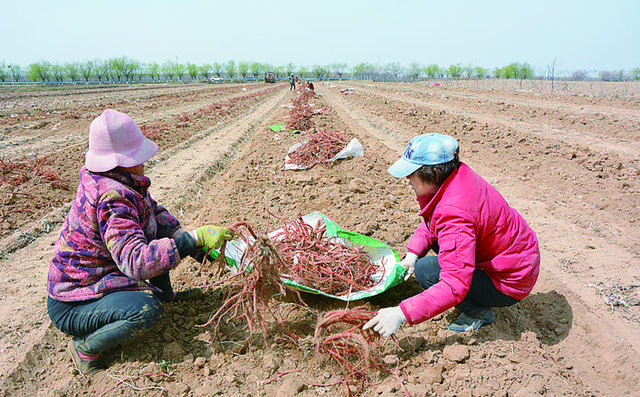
402, 168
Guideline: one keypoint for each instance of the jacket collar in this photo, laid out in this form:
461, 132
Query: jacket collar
428, 204
139, 183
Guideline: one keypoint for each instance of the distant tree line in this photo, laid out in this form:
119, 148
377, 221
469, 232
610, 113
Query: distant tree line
125, 70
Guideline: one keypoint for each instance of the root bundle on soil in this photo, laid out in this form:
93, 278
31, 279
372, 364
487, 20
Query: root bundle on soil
339, 335
301, 111
18, 172
297, 251
313, 259
319, 148
250, 292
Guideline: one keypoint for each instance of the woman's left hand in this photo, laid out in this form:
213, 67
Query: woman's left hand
212, 236
409, 263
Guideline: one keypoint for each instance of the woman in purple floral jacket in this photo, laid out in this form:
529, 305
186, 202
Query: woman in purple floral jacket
109, 276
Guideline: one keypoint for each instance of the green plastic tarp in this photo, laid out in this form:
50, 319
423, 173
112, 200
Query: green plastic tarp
379, 252
276, 127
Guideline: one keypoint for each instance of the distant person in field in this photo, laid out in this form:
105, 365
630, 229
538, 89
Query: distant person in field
109, 275
311, 87
486, 254
292, 82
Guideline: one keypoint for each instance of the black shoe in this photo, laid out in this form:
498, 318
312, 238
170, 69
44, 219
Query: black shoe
87, 367
467, 323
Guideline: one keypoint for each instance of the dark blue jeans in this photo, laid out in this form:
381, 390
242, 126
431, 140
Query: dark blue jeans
482, 293
100, 324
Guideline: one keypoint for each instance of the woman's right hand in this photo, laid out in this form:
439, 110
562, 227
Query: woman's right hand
387, 321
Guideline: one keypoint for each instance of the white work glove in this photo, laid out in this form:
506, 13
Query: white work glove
387, 321
409, 263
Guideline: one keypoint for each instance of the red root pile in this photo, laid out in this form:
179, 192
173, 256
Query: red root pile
340, 336
250, 292
353, 352
301, 112
319, 148
315, 260
19, 172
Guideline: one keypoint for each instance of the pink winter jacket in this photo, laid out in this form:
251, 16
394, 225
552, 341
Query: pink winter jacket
474, 227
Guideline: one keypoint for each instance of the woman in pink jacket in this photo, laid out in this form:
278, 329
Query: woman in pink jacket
487, 255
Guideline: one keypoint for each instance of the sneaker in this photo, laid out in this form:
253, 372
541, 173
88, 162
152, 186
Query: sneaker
467, 323
187, 295
87, 367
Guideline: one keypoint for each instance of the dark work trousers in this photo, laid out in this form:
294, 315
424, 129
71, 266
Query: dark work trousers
482, 293
100, 324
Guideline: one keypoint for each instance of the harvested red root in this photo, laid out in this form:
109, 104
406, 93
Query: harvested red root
18, 172
352, 351
251, 291
319, 148
339, 335
301, 112
322, 262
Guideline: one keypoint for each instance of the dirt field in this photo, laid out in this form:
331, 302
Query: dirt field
568, 163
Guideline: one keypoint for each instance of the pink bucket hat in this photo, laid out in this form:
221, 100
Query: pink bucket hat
115, 140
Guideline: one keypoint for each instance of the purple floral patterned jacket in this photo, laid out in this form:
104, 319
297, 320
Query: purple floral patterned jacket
114, 238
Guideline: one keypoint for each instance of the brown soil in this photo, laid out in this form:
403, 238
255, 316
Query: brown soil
568, 162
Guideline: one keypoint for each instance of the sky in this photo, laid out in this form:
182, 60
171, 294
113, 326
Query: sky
571, 35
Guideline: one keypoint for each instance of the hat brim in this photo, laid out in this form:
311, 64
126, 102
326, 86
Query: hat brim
103, 163
402, 168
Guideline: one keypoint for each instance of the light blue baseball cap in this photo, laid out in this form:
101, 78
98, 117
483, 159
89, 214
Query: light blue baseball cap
428, 149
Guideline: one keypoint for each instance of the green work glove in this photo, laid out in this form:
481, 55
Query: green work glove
211, 236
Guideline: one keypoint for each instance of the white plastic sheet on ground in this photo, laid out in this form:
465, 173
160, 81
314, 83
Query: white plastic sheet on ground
353, 149
379, 252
